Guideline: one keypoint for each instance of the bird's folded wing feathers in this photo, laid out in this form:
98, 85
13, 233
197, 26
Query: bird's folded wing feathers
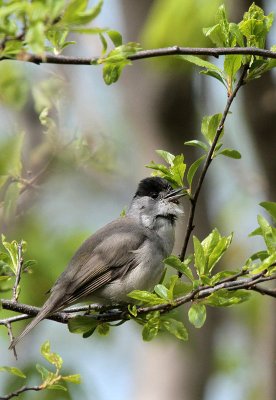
98, 262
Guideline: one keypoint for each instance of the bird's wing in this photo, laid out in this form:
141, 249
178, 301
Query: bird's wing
102, 258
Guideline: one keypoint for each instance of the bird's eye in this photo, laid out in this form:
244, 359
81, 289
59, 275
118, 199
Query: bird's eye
154, 195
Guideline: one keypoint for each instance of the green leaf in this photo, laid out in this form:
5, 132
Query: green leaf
159, 167
232, 64
168, 157
52, 358
265, 264
12, 249
201, 63
103, 329
215, 75
56, 386
230, 153
35, 37
171, 285
183, 267
214, 247
197, 143
222, 275
225, 298
199, 255
175, 327
197, 315
270, 207
209, 126
112, 71
177, 170
146, 297
162, 291
255, 26
104, 43
116, 37
268, 233
45, 374
13, 371
117, 60
76, 13
82, 324
151, 328
193, 168
72, 378
132, 310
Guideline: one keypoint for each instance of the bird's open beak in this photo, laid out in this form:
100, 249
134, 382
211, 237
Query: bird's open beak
175, 194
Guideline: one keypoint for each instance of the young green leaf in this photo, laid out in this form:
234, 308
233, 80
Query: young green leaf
270, 207
146, 297
162, 291
103, 329
52, 358
193, 168
151, 328
225, 298
76, 378
230, 153
232, 64
13, 371
175, 327
198, 143
268, 233
116, 37
199, 255
201, 63
181, 266
197, 314
82, 324
168, 157
209, 126
177, 170
45, 374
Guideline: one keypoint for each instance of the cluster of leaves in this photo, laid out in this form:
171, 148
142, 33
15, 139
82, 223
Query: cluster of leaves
39, 26
250, 32
175, 169
49, 379
9, 263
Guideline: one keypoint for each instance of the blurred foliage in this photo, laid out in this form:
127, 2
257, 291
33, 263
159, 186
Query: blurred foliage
53, 380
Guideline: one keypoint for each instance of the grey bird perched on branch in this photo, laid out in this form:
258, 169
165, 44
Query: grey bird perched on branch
124, 255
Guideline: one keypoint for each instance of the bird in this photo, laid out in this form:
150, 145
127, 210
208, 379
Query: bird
124, 255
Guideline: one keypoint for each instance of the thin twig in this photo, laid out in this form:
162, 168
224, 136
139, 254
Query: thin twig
264, 291
166, 51
21, 390
10, 333
18, 272
208, 160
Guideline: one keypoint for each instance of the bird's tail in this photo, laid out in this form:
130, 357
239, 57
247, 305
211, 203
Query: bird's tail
48, 309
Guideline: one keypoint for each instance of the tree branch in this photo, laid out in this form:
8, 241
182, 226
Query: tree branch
166, 51
118, 312
21, 390
194, 198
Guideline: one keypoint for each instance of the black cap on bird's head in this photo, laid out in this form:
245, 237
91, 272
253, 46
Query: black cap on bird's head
152, 187
156, 187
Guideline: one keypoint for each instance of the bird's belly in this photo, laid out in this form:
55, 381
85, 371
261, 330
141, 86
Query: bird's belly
142, 277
